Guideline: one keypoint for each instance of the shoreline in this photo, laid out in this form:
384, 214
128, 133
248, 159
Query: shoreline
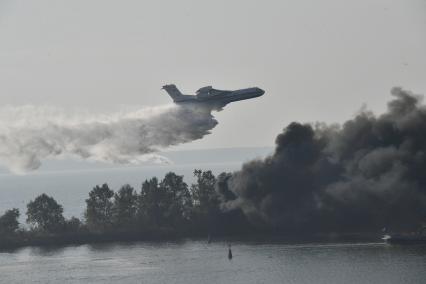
63, 240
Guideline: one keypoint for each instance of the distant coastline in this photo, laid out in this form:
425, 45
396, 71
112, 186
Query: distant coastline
163, 210
59, 240
69, 181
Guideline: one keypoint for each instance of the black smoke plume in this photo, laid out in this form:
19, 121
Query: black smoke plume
362, 176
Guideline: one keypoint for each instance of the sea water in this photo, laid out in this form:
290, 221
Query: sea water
199, 262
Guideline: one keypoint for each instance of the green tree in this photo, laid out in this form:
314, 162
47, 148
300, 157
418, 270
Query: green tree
206, 201
9, 223
203, 191
165, 203
150, 203
45, 214
73, 225
99, 208
125, 206
177, 203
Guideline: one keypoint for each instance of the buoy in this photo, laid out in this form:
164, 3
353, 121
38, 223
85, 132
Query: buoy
229, 253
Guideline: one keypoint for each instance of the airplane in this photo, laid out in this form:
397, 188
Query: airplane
213, 97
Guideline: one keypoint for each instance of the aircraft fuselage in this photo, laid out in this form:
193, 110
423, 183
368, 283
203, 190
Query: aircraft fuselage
209, 95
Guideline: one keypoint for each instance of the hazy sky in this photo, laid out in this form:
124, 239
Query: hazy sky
317, 60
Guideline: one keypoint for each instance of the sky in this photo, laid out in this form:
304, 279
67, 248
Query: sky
316, 60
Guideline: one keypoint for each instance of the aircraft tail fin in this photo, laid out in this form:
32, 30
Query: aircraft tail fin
173, 92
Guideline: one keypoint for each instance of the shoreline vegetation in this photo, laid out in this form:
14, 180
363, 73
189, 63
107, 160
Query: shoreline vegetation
163, 210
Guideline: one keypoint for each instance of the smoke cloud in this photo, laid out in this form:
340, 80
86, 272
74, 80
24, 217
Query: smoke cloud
30, 134
364, 175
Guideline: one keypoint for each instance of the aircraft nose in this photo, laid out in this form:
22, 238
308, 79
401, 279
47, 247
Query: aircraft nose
260, 91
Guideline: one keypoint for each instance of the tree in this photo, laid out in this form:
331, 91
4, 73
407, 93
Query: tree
150, 203
125, 206
45, 214
203, 191
206, 201
9, 223
177, 203
73, 225
99, 208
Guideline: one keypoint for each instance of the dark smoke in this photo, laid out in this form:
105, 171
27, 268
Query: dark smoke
362, 176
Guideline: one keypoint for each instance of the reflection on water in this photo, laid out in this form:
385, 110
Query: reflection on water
199, 262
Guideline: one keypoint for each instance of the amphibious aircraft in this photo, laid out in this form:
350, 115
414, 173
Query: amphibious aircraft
214, 97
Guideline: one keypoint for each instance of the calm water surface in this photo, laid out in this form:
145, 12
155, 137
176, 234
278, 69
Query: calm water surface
199, 262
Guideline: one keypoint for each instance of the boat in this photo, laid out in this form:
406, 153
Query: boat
229, 253
399, 239
415, 238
